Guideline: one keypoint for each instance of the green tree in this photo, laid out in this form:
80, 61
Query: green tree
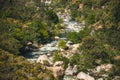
52, 16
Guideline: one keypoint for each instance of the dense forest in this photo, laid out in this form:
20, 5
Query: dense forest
24, 21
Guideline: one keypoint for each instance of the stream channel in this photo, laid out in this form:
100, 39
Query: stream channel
49, 48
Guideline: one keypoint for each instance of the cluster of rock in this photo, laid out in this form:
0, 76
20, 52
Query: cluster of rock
58, 70
100, 71
30, 46
71, 50
72, 74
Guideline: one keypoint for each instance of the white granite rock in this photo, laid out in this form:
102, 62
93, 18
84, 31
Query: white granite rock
84, 76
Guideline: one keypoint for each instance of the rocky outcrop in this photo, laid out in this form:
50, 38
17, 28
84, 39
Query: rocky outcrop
84, 76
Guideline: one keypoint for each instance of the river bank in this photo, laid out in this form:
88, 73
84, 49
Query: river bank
49, 48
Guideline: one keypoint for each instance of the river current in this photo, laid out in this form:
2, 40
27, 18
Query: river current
49, 48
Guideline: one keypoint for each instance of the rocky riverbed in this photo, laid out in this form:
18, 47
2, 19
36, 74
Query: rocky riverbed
49, 48
45, 53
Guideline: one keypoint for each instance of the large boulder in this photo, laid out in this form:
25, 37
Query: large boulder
58, 71
84, 76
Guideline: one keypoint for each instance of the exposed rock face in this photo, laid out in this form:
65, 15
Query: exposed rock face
58, 63
84, 76
43, 58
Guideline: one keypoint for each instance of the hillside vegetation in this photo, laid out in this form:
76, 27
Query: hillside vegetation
23, 21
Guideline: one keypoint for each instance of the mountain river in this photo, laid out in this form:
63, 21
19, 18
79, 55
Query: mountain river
49, 48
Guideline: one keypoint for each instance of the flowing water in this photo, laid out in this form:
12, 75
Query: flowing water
49, 48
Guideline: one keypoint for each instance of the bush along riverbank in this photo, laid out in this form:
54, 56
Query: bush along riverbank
59, 40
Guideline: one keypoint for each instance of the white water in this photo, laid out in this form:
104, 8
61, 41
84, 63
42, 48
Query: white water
49, 48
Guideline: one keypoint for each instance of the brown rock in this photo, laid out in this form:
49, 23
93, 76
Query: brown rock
57, 71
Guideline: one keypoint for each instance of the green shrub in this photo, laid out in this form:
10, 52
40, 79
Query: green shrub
77, 37
74, 37
59, 57
83, 61
62, 44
